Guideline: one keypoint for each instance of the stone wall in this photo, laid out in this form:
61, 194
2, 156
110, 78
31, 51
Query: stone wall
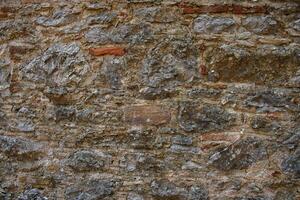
150, 99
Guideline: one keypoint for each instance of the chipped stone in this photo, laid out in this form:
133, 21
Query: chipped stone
207, 24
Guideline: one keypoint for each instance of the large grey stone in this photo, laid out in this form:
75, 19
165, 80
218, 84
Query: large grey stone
206, 118
240, 155
102, 18
58, 18
85, 160
91, 189
59, 65
19, 148
173, 61
260, 24
125, 33
156, 14
207, 24
32, 194
291, 165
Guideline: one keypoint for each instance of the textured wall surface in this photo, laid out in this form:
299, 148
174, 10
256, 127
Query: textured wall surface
150, 99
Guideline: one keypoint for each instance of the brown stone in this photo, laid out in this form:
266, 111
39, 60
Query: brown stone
115, 51
224, 8
146, 115
219, 137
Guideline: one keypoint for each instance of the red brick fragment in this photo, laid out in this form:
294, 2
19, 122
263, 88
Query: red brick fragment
203, 70
115, 51
146, 115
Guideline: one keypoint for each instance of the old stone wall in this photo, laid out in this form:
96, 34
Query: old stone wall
150, 99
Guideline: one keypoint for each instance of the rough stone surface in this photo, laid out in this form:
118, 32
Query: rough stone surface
260, 24
240, 155
149, 99
207, 24
206, 118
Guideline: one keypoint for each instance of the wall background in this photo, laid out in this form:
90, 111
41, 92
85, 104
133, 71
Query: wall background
145, 99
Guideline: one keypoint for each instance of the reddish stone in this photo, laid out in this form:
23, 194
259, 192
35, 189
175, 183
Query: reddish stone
146, 115
116, 51
203, 70
220, 137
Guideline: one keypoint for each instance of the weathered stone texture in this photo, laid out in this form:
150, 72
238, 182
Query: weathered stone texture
149, 100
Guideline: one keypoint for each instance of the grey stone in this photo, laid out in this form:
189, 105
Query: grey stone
285, 194
134, 196
260, 24
206, 118
126, 33
240, 155
270, 101
166, 190
291, 165
156, 14
296, 25
252, 198
112, 69
84, 160
102, 18
182, 140
171, 62
5, 74
265, 125
25, 126
91, 189
31, 194
20, 148
59, 18
65, 113
207, 24
197, 193
293, 141
60, 65
196, 93
184, 149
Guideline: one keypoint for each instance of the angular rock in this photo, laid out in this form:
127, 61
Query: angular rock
296, 25
146, 115
156, 14
265, 125
112, 69
102, 18
19, 148
182, 140
291, 165
166, 190
271, 101
85, 160
207, 24
198, 193
127, 33
184, 149
240, 155
91, 189
5, 74
134, 196
261, 66
173, 61
261, 24
65, 113
206, 118
58, 18
32, 194
196, 93
59, 65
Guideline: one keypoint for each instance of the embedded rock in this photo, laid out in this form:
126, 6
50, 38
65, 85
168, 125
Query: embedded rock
291, 165
207, 24
206, 118
240, 155
260, 24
